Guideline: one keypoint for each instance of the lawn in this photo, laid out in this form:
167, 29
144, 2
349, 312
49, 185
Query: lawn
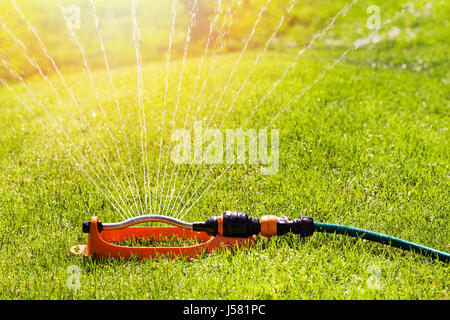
366, 146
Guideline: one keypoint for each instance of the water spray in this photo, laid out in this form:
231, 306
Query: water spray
229, 231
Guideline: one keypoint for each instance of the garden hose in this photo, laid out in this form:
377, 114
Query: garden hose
381, 238
239, 225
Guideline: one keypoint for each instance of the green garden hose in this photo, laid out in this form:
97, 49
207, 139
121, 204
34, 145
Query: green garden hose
381, 238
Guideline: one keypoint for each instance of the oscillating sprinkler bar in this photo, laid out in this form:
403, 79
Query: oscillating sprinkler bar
138, 220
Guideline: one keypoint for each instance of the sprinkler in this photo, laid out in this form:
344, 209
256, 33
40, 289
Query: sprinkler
231, 230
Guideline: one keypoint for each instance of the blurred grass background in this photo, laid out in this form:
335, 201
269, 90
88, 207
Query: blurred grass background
154, 18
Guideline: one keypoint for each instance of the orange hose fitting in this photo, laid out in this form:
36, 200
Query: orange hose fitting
268, 226
220, 225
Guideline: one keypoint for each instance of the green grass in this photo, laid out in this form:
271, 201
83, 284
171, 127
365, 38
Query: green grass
366, 147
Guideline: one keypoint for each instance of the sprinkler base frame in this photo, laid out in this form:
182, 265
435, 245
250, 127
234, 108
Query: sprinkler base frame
100, 243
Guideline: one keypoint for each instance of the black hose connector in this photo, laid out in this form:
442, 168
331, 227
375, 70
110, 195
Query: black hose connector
230, 224
239, 224
304, 226
210, 226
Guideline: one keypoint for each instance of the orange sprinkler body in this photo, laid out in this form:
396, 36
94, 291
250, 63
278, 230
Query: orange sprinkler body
101, 243
228, 231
